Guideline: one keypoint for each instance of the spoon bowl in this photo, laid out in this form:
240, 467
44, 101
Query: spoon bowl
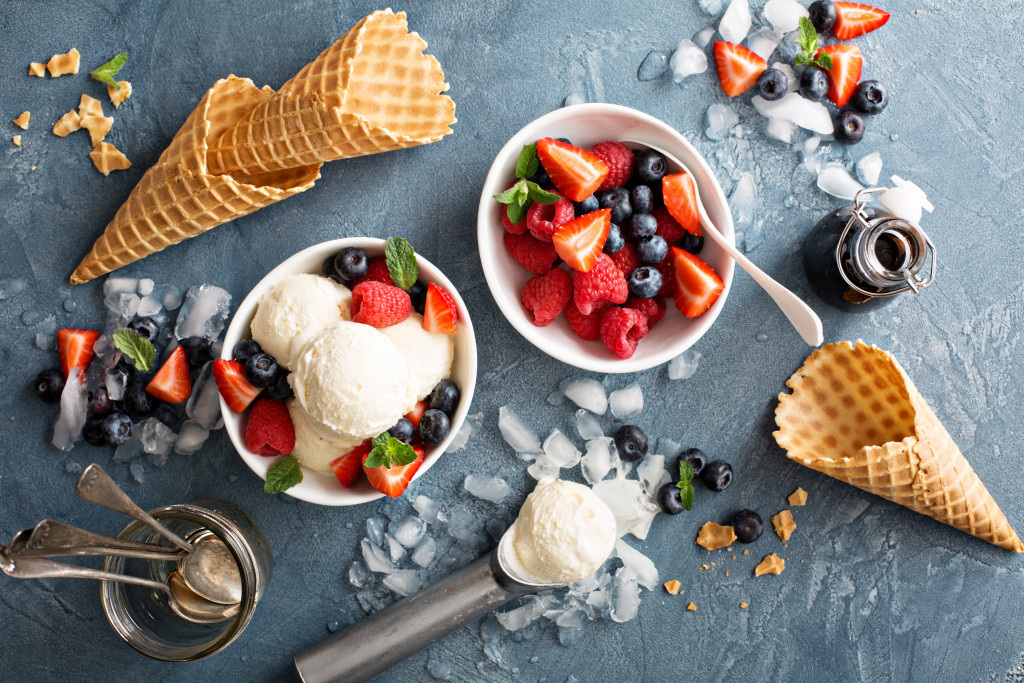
210, 570
191, 606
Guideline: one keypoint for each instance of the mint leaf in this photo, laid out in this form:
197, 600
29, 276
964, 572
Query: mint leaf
106, 72
516, 212
808, 42
527, 158
808, 34
686, 496
388, 451
540, 195
140, 351
285, 474
685, 484
685, 473
824, 60
508, 196
401, 261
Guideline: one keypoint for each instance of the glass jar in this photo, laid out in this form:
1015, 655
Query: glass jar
143, 617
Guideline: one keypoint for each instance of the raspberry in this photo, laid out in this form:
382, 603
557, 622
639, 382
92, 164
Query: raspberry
603, 282
626, 260
653, 309
379, 305
532, 254
269, 431
668, 278
586, 326
543, 219
376, 271
622, 329
545, 296
668, 228
620, 163
514, 228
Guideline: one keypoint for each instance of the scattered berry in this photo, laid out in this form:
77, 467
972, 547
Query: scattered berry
379, 305
849, 127
145, 328
445, 396
172, 383
376, 271
414, 415
614, 242
845, 72
631, 442
669, 499
541, 177
680, 194
717, 475
738, 67
586, 206
575, 172
625, 259
262, 370
619, 159
545, 296
617, 199
269, 431
748, 526
99, 401
234, 387
327, 270
197, 351
622, 329
434, 427
870, 97
48, 385
822, 14
280, 390
135, 401
585, 326
653, 309
75, 348
92, 431
532, 254
644, 282
642, 199
854, 19
603, 282
580, 241
439, 311
642, 225
403, 430
649, 166
117, 429
418, 296
246, 349
696, 284
814, 83
513, 228
166, 413
543, 219
772, 84
351, 263
691, 243
651, 249
695, 458
349, 466
392, 481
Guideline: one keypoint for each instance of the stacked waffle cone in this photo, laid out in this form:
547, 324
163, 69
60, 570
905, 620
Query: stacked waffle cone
855, 415
244, 147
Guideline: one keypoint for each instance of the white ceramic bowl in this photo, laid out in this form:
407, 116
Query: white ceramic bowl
316, 487
586, 125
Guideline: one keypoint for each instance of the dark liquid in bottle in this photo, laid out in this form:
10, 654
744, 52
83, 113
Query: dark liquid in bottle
823, 272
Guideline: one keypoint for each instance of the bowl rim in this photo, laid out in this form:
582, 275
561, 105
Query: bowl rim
494, 183
239, 328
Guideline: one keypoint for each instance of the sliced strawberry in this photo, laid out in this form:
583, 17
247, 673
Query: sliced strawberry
349, 466
171, 383
416, 413
575, 172
580, 241
738, 67
697, 285
681, 201
854, 19
75, 348
845, 72
233, 386
392, 481
439, 311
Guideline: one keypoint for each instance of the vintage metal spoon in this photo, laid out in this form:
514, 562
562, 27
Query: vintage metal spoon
211, 570
52, 537
188, 604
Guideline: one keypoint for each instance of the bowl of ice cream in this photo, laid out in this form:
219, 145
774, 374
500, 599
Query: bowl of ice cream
350, 381
586, 125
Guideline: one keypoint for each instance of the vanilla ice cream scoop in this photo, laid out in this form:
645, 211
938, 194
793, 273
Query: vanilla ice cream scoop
429, 355
312, 449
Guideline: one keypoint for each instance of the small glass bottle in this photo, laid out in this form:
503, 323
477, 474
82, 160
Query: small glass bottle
858, 261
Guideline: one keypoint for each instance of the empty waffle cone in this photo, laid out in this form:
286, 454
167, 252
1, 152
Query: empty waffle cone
374, 90
179, 197
855, 415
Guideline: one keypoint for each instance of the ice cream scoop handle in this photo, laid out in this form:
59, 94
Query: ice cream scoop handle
375, 644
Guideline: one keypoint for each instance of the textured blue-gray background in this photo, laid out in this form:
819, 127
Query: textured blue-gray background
871, 591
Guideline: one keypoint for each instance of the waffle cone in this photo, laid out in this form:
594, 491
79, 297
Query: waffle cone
374, 90
179, 197
856, 416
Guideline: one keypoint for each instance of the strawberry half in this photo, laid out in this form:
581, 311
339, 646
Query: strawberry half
269, 431
697, 285
171, 383
738, 67
416, 413
580, 241
854, 19
845, 72
575, 172
349, 466
75, 348
392, 481
681, 201
439, 311
233, 386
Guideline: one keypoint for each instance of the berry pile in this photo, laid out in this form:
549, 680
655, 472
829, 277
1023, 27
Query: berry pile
627, 230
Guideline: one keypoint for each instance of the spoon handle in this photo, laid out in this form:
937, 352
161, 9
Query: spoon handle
41, 568
53, 537
96, 486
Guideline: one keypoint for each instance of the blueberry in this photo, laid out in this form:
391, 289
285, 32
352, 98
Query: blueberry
651, 249
145, 328
717, 475
691, 243
695, 458
117, 428
403, 430
870, 97
642, 199
327, 268
644, 282
261, 370
822, 14
565, 140
617, 199
648, 166
246, 349
48, 385
136, 402
631, 442
586, 206
748, 526
197, 350
669, 499
614, 242
849, 127
445, 396
350, 263
280, 390
814, 83
418, 295
93, 432
166, 413
642, 225
772, 84
541, 177
99, 401
434, 426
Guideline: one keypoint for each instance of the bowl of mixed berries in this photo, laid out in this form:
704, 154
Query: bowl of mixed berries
592, 245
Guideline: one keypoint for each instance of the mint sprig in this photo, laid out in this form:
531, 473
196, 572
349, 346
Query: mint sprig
388, 451
401, 261
140, 351
808, 42
685, 484
285, 474
519, 197
106, 72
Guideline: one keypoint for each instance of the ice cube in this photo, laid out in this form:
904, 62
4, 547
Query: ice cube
636, 565
12, 286
408, 531
624, 602
493, 489
138, 471
149, 307
789, 71
763, 42
654, 66
600, 458
439, 669
704, 37
532, 608
74, 400
44, 341
780, 129
688, 59
203, 404
496, 528
376, 559
395, 549
684, 365
115, 381
810, 115
370, 601
472, 423
542, 469
560, 451
145, 287
920, 194
627, 402
586, 393
169, 296
633, 508
425, 553
124, 305
784, 15
573, 98
72, 467
429, 509
191, 437
743, 201
359, 575
129, 450
375, 529
835, 180
157, 438
712, 7
521, 438
203, 313
119, 285
735, 22
652, 474
570, 626
810, 144
462, 524
721, 118
869, 168
588, 426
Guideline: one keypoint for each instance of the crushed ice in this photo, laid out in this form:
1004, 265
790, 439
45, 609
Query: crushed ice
586, 393
627, 402
684, 365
